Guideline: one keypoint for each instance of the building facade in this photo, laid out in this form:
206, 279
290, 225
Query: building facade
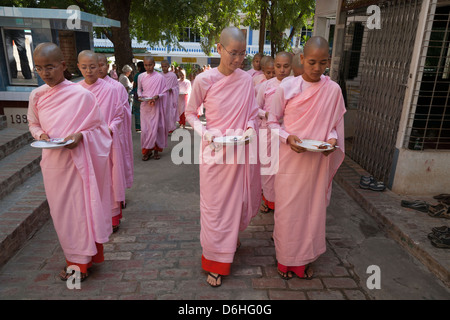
392, 60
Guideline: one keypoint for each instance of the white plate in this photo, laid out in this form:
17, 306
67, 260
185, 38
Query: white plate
312, 145
143, 99
41, 144
230, 140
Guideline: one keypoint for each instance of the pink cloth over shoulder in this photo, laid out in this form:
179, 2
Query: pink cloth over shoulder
113, 114
303, 182
125, 132
252, 72
230, 192
171, 100
153, 129
259, 79
77, 181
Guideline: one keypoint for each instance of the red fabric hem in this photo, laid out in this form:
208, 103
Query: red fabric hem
182, 121
298, 270
156, 148
98, 258
268, 203
221, 268
116, 219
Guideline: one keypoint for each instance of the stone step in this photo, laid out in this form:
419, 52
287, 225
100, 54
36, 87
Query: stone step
22, 212
3, 122
17, 167
12, 139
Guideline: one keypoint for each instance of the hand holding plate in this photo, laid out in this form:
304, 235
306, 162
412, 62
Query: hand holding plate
293, 142
76, 137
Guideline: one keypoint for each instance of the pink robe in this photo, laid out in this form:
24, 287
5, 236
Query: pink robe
254, 72
171, 100
113, 114
77, 181
183, 99
303, 182
230, 194
264, 99
259, 79
153, 129
125, 132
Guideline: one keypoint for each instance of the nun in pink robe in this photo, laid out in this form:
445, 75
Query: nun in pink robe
125, 132
264, 99
77, 181
153, 129
309, 110
183, 98
113, 114
171, 100
230, 193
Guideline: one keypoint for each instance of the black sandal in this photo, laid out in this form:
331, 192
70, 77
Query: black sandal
217, 278
285, 275
419, 205
441, 242
441, 230
64, 275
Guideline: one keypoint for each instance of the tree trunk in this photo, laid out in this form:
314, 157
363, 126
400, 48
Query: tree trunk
123, 52
262, 26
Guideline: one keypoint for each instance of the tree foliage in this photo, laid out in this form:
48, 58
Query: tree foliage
280, 15
162, 21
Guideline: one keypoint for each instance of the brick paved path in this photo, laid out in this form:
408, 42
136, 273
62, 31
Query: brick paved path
156, 253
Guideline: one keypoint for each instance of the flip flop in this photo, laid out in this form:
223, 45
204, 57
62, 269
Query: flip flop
439, 211
285, 275
218, 277
441, 229
146, 156
64, 275
419, 205
441, 242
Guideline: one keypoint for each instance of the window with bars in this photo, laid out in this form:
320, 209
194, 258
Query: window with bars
429, 126
189, 35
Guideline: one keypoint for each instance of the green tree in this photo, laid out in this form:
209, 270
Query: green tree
276, 16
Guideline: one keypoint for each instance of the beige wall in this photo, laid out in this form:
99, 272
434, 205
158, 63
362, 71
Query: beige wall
422, 172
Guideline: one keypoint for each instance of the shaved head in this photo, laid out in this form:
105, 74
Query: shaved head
102, 58
296, 62
49, 63
315, 43
89, 54
231, 34
284, 54
258, 55
315, 58
264, 60
149, 58
49, 50
103, 65
297, 66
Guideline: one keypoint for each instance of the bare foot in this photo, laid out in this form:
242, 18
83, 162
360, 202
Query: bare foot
214, 279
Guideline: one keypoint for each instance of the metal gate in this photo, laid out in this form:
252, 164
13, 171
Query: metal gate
384, 61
